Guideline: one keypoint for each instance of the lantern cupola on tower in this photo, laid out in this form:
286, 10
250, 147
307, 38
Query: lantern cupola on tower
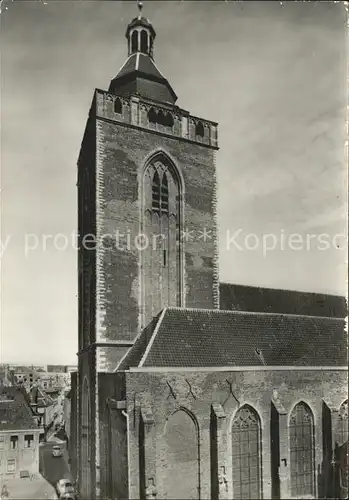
139, 74
140, 35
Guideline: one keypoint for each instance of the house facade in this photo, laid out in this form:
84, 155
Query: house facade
19, 435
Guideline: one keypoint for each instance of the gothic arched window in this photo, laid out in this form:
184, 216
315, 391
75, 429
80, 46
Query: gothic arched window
144, 42
152, 116
85, 465
134, 41
301, 427
161, 118
342, 428
156, 191
164, 193
161, 223
246, 461
118, 106
199, 129
182, 454
168, 120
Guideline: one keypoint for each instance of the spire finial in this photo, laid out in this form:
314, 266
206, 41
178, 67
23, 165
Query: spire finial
140, 7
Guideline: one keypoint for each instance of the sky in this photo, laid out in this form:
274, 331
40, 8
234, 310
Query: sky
272, 75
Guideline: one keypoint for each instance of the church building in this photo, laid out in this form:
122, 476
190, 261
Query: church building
176, 397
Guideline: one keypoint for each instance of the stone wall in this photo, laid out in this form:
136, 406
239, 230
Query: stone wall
112, 436
212, 399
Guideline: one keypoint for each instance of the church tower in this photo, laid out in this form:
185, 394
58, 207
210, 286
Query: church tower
146, 218
147, 205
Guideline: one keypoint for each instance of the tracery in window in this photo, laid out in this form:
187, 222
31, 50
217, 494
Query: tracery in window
246, 454
161, 260
164, 193
342, 428
156, 191
301, 427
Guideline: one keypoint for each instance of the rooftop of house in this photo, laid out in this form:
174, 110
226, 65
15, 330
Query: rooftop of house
214, 338
38, 396
15, 411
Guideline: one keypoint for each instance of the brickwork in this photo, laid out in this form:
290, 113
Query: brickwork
86, 226
113, 287
264, 390
122, 152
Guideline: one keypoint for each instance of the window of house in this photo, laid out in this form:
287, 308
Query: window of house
28, 441
301, 428
14, 442
11, 465
2, 442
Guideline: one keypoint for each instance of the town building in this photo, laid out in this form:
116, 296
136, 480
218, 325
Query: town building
48, 411
176, 397
67, 416
46, 380
19, 435
61, 368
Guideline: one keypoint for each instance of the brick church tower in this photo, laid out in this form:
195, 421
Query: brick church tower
146, 219
176, 398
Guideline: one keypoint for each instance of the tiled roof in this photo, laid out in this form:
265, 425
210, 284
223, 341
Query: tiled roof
257, 299
135, 354
140, 62
141, 66
213, 338
15, 412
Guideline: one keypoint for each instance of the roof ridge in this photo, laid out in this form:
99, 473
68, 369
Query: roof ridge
137, 338
152, 338
127, 59
254, 313
156, 67
293, 290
